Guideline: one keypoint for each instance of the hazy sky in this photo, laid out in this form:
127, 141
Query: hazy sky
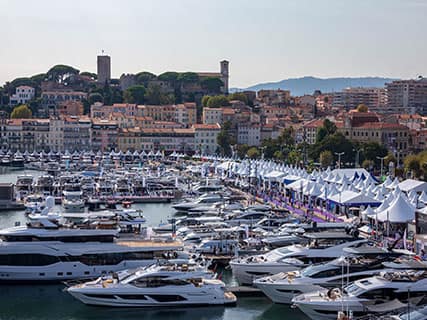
264, 40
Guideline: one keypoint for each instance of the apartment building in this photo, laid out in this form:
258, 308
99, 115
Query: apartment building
407, 96
350, 98
104, 135
249, 133
205, 137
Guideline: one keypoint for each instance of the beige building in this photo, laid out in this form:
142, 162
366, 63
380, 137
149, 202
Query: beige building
212, 115
407, 96
205, 137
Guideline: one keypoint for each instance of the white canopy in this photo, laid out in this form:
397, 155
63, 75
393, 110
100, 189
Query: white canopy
348, 197
399, 211
413, 185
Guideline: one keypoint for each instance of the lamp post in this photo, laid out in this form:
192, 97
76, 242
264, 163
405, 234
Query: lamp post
339, 154
357, 160
382, 164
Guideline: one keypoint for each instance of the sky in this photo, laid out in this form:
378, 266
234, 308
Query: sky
264, 40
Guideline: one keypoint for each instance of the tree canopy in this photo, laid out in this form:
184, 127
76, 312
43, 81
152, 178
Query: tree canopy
362, 108
224, 139
60, 72
155, 96
186, 77
215, 101
21, 112
145, 77
212, 84
169, 76
135, 94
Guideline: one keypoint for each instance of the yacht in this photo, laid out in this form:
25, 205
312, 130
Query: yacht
323, 248
24, 185
203, 200
72, 200
34, 203
46, 252
155, 286
18, 160
407, 286
282, 287
249, 218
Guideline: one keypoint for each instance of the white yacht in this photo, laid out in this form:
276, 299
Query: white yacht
284, 286
156, 286
357, 297
34, 203
44, 251
72, 200
323, 248
203, 200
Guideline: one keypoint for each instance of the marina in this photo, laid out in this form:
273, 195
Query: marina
238, 237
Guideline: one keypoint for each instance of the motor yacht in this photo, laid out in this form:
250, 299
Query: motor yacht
322, 248
46, 251
155, 286
282, 287
407, 286
203, 200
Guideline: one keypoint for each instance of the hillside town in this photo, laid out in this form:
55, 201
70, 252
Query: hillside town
194, 112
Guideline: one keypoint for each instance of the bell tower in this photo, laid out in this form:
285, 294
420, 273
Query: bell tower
224, 74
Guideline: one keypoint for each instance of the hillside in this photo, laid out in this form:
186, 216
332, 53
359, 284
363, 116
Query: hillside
307, 85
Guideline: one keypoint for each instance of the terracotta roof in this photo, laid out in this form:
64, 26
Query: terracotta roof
382, 125
316, 123
202, 126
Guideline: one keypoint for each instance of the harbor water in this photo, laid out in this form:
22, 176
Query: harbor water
50, 302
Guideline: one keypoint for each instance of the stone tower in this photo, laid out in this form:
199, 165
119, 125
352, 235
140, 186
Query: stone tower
224, 74
104, 69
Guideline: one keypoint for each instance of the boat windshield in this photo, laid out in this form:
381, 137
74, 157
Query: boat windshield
312, 270
353, 289
420, 314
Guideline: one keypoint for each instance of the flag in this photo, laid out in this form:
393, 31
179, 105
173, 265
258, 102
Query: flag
404, 240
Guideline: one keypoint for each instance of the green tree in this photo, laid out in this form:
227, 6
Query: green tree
224, 140
60, 72
372, 150
91, 75
253, 153
412, 164
328, 128
367, 164
21, 112
362, 108
95, 97
294, 157
326, 158
241, 150
212, 84
217, 102
145, 77
334, 143
169, 76
238, 96
188, 77
205, 100
135, 94
154, 96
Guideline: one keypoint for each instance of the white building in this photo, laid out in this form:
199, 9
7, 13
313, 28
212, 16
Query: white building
212, 115
205, 137
22, 95
249, 134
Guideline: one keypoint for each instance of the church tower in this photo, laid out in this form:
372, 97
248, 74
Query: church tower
224, 74
104, 68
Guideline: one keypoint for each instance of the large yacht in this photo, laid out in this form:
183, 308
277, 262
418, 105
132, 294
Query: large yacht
407, 286
203, 200
72, 200
45, 251
323, 247
282, 287
156, 286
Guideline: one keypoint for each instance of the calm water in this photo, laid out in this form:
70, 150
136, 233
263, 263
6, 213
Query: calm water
50, 302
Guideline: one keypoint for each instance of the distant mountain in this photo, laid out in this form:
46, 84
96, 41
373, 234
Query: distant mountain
307, 85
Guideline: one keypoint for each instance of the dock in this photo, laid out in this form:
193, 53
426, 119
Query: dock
244, 291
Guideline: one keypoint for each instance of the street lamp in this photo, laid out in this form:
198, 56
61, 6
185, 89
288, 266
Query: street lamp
357, 160
382, 164
339, 154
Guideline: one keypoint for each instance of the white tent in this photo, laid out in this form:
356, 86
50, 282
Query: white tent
413, 185
353, 198
274, 175
399, 211
423, 197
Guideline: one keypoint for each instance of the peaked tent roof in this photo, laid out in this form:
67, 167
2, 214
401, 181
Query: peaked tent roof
399, 211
